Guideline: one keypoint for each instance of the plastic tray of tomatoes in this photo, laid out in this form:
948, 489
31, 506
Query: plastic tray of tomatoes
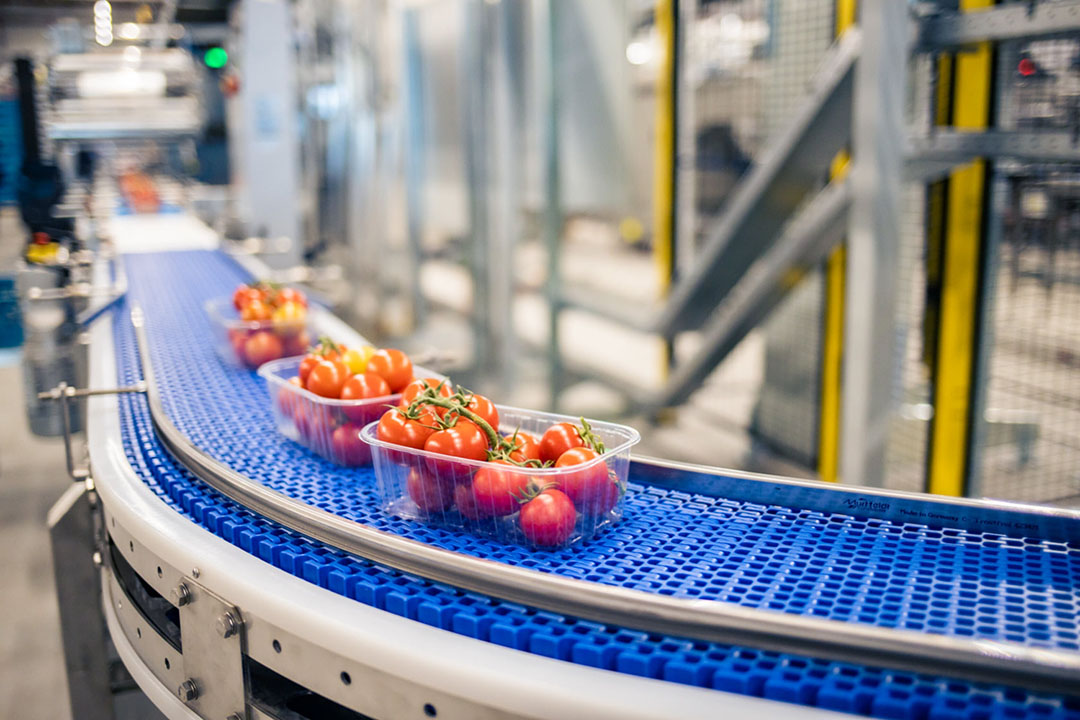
259, 323
250, 343
330, 426
567, 501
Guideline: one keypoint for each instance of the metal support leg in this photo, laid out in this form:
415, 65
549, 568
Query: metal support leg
873, 242
553, 218
78, 592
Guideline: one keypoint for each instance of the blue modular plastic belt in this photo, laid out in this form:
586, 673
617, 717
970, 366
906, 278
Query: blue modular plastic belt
830, 565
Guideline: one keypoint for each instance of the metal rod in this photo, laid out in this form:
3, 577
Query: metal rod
63, 390
65, 393
65, 417
976, 659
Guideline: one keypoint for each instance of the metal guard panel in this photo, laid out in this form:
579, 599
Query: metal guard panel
748, 552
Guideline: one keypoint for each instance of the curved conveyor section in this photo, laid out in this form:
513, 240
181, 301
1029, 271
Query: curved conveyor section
1053, 666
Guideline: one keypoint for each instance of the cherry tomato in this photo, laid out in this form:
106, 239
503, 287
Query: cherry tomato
306, 364
288, 399
237, 340
245, 294
394, 366
497, 489
526, 447
255, 311
296, 343
418, 385
327, 378
364, 387
356, 360
463, 440
347, 448
314, 426
395, 427
485, 409
428, 494
592, 490
288, 316
327, 350
557, 439
548, 519
291, 295
262, 347
466, 502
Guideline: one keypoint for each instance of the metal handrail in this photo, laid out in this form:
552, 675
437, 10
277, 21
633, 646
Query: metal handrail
980, 660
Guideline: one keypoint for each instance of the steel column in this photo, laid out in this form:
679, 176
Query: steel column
547, 21
873, 243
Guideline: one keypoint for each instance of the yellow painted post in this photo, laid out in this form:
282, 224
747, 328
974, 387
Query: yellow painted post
664, 163
966, 201
664, 148
833, 335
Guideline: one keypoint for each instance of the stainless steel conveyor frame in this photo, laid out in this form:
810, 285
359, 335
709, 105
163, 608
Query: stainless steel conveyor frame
994, 661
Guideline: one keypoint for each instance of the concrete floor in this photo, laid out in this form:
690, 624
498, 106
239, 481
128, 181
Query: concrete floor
32, 477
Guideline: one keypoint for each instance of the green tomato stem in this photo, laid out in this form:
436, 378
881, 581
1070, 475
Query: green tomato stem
492, 436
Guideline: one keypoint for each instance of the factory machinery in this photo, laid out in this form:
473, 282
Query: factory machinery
237, 575
230, 574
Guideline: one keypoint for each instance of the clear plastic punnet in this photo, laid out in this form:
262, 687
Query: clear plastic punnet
251, 343
471, 495
328, 427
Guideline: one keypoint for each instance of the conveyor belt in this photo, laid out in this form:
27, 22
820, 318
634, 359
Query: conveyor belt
828, 565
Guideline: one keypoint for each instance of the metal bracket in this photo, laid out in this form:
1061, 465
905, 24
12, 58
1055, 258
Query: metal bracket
64, 393
212, 638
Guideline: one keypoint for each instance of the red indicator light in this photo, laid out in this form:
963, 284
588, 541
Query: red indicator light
1026, 67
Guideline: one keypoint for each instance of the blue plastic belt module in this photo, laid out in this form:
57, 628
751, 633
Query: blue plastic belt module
828, 565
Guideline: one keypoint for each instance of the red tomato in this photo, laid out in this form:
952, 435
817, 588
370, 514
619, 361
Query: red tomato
395, 427
592, 490
428, 494
237, 340
526, 447
313, 425
418, 385
262, 347
327, 350
466, 502
485, 409
464, 440
364, 387
347, 448
548, 519
296, 343
306, 364
394, 366
327, 378
288, 399
256, 311
245, 294
557, 439
287, 295
497, 490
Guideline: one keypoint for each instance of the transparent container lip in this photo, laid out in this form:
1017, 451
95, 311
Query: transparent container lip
214, 308
367, 434
267, 371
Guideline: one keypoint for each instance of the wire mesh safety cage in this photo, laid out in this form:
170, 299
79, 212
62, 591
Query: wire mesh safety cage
750, 63
1027, 440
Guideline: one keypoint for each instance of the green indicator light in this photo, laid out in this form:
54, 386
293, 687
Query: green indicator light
216, 58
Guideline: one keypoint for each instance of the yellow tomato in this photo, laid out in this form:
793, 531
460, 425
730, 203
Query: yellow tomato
357, 360
289, 315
